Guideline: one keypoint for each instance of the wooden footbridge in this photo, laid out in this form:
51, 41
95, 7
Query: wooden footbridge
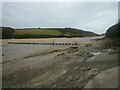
44, 43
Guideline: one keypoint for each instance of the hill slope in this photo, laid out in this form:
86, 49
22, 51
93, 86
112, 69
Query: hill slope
6, 32
51, 32
114, 31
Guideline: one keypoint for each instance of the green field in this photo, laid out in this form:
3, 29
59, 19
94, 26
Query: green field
37, 32
42, 33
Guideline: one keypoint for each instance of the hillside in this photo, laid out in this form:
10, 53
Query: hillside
6, 32
113, 31
51, 32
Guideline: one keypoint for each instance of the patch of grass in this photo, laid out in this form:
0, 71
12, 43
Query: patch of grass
37, 32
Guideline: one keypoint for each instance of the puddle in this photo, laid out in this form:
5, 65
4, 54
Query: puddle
95, 54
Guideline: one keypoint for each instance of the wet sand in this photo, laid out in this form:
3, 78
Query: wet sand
56, 66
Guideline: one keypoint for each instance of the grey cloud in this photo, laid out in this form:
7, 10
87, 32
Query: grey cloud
96, 16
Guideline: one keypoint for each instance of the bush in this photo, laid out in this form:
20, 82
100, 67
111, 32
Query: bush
7, 32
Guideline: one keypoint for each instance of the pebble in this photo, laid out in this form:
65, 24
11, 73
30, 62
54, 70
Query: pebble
111, 51
96, 73
76, 68
75, 47
90, 55
54, 85
68, 58
88, 45
87, 53
83, 69
88, 68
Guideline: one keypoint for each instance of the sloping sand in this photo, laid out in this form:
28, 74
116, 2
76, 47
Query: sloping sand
106, 79
57, 66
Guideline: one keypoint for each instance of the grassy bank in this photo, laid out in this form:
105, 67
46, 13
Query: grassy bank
8, 32
50, 32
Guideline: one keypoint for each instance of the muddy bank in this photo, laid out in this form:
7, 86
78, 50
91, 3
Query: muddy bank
66, 67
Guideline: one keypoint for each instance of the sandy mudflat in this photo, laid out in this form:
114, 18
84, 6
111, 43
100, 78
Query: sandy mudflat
38, 66
68, 40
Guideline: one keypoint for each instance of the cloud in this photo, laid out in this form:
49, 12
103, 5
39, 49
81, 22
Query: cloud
94, 16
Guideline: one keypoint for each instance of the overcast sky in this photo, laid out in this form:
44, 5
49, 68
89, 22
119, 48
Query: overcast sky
90, 16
